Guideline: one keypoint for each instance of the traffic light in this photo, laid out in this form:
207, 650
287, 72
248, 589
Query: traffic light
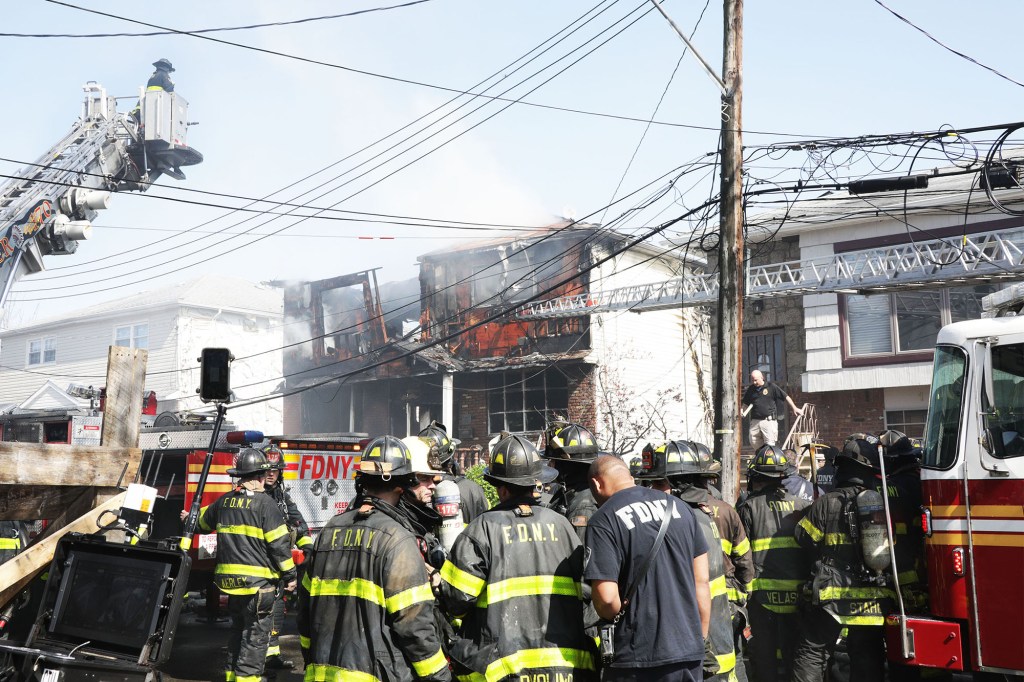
215, 375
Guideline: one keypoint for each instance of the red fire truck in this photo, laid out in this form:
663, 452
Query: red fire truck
973, 492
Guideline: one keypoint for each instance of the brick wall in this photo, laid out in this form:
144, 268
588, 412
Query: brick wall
583, 397
471, 410
841, 413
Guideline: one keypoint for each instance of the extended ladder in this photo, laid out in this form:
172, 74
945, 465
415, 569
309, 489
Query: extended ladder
976, 257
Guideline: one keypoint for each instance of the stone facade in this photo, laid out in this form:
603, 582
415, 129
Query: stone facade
839, 413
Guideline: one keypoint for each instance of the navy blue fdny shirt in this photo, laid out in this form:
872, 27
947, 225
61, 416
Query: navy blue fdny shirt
662, 624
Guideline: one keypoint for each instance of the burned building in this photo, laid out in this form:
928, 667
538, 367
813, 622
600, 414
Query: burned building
465, 351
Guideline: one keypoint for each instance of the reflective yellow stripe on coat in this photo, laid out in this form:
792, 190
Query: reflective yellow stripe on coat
528, 659
460, 580
529, 586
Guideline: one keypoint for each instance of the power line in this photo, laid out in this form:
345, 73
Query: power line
943, 45
406, 81
178, 265
214, 30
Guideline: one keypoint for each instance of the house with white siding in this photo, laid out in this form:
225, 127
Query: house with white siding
864, 358
173, 324
475, 365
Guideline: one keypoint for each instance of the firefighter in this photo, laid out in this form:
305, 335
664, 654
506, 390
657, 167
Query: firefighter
298, 534
417, 500
366, 610
11, 540
770, 514
825, 479
847, 590
571, 449
903, 477
675, 468
711, 467
739, 562
473, 498
793, 481
254, 561
514, 577
161, 78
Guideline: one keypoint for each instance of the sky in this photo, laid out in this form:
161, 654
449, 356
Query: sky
265, 121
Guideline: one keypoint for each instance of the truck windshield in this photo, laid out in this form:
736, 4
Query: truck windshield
943, 430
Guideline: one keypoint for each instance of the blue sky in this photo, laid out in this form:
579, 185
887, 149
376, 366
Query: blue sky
811, 69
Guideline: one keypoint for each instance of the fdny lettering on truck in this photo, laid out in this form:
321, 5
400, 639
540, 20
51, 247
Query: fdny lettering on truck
327, 466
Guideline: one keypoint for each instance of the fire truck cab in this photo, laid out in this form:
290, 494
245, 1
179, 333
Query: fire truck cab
973, 495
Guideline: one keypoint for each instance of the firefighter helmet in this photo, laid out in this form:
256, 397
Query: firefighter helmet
164, 64
274, 457
386, 456
437, 432
570, 442
710, 466
424, 455
859, 448
516, 461
249, 461
768, 462
896, 443
671, 459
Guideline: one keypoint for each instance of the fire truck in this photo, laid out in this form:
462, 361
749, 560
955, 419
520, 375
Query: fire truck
973, 493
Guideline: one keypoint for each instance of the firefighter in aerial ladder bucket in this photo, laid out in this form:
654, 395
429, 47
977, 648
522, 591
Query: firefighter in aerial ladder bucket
845, 534
366, 609
674, 468
161, 78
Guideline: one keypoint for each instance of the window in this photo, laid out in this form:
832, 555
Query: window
42, 351
132, 336
524, 400
908, 322
942, 432
765, 350
910, 422
1004, 420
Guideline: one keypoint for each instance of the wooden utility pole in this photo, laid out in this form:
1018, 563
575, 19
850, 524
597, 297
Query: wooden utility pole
728, 371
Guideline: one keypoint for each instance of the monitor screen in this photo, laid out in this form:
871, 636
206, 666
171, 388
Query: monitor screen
111, 599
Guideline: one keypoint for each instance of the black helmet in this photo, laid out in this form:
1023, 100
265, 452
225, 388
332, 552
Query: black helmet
516, 461
274, 457
674, 458
859, 448
249, 461
386, 456
164, 64
709, 466
770, 461
896, 443
437, 432
570, 442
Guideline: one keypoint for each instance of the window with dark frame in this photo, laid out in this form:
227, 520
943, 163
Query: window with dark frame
906, 322
525, 400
